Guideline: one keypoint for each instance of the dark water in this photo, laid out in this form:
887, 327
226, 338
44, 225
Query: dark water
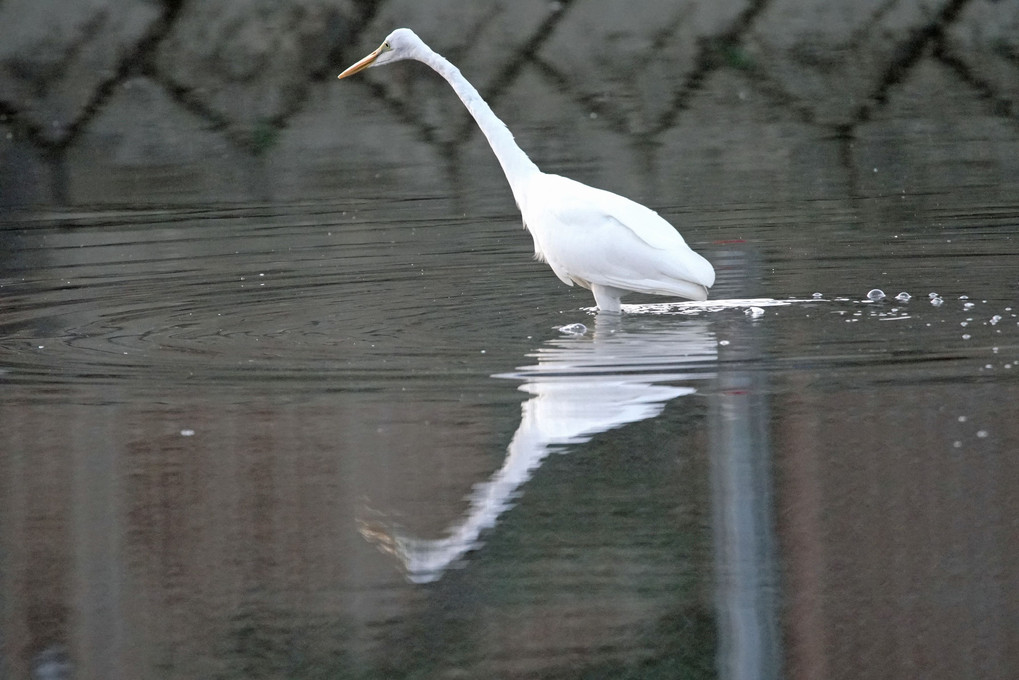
353, 441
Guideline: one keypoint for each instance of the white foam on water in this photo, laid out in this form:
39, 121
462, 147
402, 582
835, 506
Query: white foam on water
698, 307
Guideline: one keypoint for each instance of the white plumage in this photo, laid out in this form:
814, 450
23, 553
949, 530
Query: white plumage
589, 237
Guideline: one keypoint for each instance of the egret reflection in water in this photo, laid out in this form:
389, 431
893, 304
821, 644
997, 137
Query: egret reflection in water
580, 386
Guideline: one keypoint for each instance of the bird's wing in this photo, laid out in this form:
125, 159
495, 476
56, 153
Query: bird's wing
592, 236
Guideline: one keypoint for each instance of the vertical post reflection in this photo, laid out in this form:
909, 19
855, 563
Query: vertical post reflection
742, 517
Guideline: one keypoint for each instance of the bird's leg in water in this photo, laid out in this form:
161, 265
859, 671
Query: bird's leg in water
607, 298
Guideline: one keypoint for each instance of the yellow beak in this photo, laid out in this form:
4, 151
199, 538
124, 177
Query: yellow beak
363, 64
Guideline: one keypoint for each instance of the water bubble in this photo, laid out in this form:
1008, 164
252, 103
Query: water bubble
876, 294
573, 329
932, 295
187, 432
754, 312
964, 297
962, 419
937, 302
966, 336
982, 434
817, 295
995, 319
723, 343
903, 297
968, 305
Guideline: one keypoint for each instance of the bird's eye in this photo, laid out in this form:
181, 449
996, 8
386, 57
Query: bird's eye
386, 46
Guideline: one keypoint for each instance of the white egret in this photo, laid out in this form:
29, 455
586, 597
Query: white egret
589, 237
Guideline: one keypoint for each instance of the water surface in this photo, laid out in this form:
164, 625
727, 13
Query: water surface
361, 440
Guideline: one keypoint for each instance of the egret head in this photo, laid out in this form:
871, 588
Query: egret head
402, 43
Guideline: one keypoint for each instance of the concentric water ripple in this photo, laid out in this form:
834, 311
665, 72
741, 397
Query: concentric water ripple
355, 294
120, 295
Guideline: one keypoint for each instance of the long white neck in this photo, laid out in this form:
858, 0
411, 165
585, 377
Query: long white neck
515, 163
